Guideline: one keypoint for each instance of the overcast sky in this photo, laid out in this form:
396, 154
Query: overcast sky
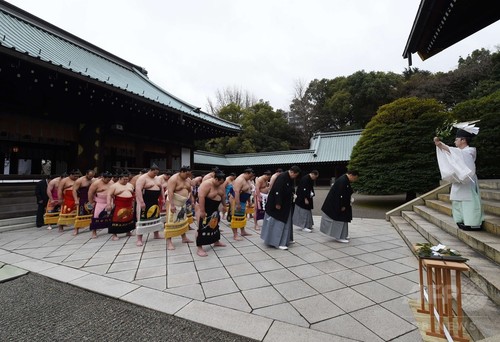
192, 48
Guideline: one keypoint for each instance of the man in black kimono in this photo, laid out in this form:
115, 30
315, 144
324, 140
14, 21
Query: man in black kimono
277, 228
337, 209
42, 198
302, 214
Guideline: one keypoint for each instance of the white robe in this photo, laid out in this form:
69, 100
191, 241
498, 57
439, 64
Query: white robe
458, 167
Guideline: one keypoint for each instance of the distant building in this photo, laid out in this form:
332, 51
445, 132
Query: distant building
329, 153
294, 120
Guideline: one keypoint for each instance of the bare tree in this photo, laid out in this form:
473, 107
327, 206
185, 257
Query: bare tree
300, 115
234, 95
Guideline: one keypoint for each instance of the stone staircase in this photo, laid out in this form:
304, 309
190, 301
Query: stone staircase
428, 219
17, 200
17, 223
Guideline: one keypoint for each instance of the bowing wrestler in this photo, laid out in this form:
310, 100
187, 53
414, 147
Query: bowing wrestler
134, 179
242, 190
98, 192
228, 186
210, 195
211, 174
148, 191
120, 201
53, 206
179, 191
195, 185
67, 201
81, 197
163, 199
261, 191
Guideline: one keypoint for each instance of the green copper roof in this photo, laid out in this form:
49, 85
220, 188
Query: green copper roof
324, 148
40, 40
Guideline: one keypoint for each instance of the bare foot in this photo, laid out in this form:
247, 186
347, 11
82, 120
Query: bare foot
237, 238
129, 234
245, 234
61, 229
49, 228
138, 243
201, 253
219, 244
115, 238
186, 240
94, 234
157, 235
257, 228
170, 247
75, 232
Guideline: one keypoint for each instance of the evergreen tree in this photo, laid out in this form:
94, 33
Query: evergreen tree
263, 130
395, 153
487, 142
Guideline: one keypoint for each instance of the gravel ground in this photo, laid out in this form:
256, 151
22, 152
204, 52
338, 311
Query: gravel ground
36, 308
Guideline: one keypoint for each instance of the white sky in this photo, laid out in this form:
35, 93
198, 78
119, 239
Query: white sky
192, 48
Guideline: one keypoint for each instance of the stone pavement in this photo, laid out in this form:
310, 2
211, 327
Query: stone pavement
318, 290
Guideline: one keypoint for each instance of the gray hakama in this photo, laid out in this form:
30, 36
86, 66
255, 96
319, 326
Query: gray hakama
302, 218
335, 229
276, 233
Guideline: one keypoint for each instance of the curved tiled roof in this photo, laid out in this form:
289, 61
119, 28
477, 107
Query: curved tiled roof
324, 148
43, 41
440, 24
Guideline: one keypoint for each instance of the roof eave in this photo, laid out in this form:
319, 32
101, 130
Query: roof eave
440, 24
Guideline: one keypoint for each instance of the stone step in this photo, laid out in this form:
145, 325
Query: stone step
18, 193
16, 199
490, 205
491, 222
17, 187
23, 206
492, 195
409, 234
444, 198
493, 184
482, 241
6, 213
484, 272
17, 226
17, 220
443, 207
479, 320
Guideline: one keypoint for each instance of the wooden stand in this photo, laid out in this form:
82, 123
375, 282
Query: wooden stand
440, 295
421, 284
